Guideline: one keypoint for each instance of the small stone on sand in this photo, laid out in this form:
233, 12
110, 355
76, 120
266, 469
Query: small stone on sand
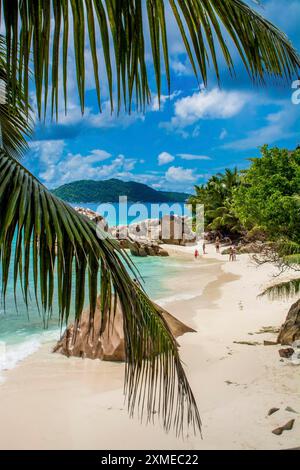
247, 343
287, 427
291, 410
272, 411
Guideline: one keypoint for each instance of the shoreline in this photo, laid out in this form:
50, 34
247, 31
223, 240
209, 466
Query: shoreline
235, 385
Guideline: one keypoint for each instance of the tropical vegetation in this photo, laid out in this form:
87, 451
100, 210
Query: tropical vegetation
41, 232
263, 202
269, 200
269, 196
217, 196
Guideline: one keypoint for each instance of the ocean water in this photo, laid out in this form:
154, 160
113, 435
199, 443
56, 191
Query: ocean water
22, 332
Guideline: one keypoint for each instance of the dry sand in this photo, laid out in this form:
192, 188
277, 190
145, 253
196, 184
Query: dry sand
51, 402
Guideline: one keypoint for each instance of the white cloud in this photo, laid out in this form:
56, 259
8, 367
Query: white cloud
279, 126
164, 158
97, 155
90, 119
48, 151
179, 174
196, 131
189, 156
72, 167
163, 100
214, 104
223, 134
181, 68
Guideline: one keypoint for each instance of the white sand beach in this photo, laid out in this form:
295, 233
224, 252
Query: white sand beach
51, 402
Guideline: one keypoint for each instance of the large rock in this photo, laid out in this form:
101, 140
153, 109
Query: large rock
146, 248
110, 346
172, 229
290, 330
176, 230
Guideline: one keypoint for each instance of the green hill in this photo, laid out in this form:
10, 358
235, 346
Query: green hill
110, 190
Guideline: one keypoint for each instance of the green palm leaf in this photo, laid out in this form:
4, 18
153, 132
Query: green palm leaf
264, 49
281, 290
15, 122
51, 238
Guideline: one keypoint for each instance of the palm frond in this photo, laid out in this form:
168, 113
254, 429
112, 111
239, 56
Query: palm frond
286, 289
50, 238
291, 260
264, 49
287, 248
15, 119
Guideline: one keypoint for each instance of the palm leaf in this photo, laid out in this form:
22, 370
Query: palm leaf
264, 49
50, 238
291, 260
15, 122
281, 290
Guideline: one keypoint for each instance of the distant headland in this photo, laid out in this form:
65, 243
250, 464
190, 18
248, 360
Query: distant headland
110, 191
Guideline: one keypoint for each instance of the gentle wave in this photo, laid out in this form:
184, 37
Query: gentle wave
175, 298
12, 354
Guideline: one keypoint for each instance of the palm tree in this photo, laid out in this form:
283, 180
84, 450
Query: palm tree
50, 235
216, 197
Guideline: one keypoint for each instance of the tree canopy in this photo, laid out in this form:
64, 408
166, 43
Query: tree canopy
269, 195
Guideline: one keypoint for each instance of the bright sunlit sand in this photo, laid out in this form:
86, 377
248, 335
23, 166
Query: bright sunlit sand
51, 402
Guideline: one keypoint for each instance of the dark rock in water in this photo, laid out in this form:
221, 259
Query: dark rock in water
146, 249
143, 251
110, 346
290, 330
272, 411
286, 352
150, 251
163, 253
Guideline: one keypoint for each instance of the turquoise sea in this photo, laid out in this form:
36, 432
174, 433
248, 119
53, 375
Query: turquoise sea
22, 332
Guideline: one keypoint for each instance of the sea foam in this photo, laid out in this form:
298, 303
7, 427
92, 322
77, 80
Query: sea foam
12, 354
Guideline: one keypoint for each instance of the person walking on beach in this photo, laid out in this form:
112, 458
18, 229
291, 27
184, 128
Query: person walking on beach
196, 254
204, 248
231, 253
234, 253
217, 243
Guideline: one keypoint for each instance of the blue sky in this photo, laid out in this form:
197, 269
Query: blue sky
194, 135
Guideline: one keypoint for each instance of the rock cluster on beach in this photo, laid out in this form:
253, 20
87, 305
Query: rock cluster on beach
146, 237
92, 215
